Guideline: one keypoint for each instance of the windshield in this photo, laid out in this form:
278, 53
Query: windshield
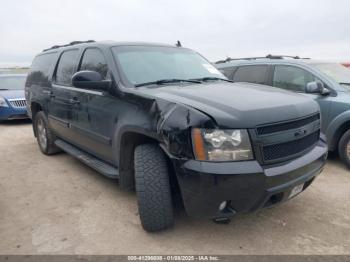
12, 82
146, 64
338, 72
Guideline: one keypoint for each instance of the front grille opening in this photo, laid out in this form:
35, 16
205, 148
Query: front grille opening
287, 149
18, 103
274, 199
274, 128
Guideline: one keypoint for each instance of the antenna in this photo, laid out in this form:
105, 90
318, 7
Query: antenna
178, 44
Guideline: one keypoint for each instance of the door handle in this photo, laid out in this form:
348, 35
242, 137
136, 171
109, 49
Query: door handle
74, 101
49, 93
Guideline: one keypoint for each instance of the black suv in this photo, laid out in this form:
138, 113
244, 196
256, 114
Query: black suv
154, 115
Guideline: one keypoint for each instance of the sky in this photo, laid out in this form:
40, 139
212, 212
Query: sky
318, 29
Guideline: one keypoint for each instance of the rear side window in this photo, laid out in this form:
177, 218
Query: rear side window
228, 71
291, 78
40, 69
94, 60
251, 74
66, 67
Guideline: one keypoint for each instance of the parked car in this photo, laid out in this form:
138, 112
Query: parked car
12, 99
161, 118
326, 82
347, 64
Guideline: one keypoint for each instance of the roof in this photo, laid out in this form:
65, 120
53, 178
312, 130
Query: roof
269, 61
104, 44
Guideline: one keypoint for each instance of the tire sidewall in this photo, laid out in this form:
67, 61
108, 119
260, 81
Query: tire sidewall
153, 188
342, 148
38, 116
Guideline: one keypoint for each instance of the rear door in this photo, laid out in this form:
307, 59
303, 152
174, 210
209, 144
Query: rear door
61, 102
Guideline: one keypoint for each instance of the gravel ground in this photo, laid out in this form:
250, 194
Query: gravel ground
56, 205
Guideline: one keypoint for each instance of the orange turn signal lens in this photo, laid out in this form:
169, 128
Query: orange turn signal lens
198, 144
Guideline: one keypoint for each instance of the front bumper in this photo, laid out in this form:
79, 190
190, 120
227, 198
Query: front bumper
10, 113
246, 185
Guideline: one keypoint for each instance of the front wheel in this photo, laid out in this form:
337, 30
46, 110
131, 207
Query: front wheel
153, 188
44, 135
344, 148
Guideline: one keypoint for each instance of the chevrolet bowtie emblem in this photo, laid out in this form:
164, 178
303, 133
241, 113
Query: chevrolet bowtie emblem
300, 133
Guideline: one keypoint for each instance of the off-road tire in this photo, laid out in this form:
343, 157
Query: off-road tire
50, 148
342, 148
153, 188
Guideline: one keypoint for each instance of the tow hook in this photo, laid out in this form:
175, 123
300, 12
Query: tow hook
222, 220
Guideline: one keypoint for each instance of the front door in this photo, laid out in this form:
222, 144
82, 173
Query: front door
295, 79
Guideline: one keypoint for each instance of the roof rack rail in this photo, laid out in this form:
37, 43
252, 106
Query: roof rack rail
228, 59
70, 44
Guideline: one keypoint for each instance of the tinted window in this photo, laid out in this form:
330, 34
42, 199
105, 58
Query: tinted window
252, 74
66, 66
291, 78
228, 71
40, 68
94, 60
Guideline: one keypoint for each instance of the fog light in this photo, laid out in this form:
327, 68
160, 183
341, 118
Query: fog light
223, 205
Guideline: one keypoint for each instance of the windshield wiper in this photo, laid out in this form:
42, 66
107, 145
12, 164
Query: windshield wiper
204, 79
344, 83
166, 81
3, 89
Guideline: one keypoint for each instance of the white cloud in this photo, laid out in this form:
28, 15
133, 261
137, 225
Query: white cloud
314, 28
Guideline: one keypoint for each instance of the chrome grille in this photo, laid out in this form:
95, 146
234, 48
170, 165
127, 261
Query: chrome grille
18, 103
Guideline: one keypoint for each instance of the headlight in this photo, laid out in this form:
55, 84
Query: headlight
221, 145
3, 102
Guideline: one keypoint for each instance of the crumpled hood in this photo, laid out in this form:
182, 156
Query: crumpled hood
11, 94
238, 105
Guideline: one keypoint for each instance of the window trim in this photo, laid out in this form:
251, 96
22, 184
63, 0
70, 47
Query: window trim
54, 76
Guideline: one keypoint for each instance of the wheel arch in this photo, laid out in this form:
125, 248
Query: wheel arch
126, 144
35, 107
336, 129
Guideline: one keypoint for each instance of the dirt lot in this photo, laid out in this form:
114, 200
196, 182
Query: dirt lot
56, 205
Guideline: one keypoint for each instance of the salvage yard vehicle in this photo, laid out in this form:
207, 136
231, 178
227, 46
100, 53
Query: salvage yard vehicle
161, 118
326, 82
12, 100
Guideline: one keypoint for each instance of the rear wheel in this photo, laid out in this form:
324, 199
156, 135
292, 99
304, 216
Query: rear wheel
44, 135
344, 148
153, 188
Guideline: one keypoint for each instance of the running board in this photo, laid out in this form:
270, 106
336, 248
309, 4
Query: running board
100, 166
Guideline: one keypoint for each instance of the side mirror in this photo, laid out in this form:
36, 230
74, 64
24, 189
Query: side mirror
90, 80
316, 87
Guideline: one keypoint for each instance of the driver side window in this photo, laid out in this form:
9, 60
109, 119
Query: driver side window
292, 78
94, 60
